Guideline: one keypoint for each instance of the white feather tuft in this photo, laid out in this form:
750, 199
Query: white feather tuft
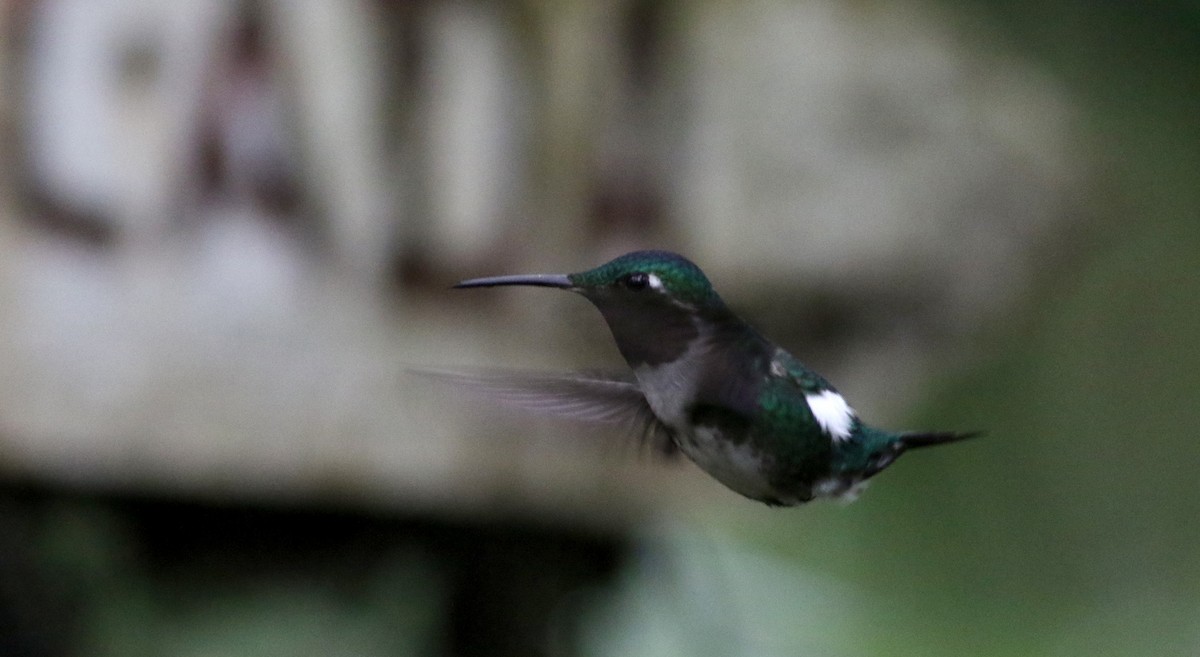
832, 412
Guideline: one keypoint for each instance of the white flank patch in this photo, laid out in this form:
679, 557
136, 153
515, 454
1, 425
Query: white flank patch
832, 412
844, 491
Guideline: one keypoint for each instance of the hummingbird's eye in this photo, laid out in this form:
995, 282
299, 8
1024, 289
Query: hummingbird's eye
637, 280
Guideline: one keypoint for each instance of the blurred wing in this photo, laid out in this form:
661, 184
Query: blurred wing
602, 398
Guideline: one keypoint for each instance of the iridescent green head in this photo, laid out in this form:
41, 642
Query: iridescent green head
652, 301
639, 277
643, 273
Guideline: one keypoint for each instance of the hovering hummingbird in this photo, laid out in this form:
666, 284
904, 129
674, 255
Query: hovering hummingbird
705, 383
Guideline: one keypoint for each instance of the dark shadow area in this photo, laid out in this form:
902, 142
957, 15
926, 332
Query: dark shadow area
482, 588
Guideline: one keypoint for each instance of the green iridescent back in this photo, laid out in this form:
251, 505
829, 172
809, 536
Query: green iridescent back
803, 451
787, 429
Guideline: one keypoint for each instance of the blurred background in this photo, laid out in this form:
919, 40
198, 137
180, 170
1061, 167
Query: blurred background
227, 228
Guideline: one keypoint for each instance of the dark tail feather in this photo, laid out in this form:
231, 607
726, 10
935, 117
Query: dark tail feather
896, 444
925, 439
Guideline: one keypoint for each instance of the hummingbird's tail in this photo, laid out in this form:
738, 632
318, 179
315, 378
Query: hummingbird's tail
883, 447
912, 440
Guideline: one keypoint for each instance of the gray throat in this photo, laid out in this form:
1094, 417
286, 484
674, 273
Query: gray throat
671, 387
650, 334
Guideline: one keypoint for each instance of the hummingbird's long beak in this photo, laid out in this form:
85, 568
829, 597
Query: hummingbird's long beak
540, 280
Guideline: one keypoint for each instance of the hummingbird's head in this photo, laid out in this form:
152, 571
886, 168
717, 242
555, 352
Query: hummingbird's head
640, 278
646, 278
650, 299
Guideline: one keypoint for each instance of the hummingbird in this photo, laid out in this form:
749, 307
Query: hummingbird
704, 382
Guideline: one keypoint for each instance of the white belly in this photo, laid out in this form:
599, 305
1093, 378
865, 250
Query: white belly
738, 466
668, 389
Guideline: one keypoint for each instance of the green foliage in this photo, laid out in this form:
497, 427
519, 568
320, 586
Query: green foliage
1071, 528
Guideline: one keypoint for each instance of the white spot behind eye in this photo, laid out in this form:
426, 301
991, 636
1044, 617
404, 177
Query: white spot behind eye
832, 412
654, 281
